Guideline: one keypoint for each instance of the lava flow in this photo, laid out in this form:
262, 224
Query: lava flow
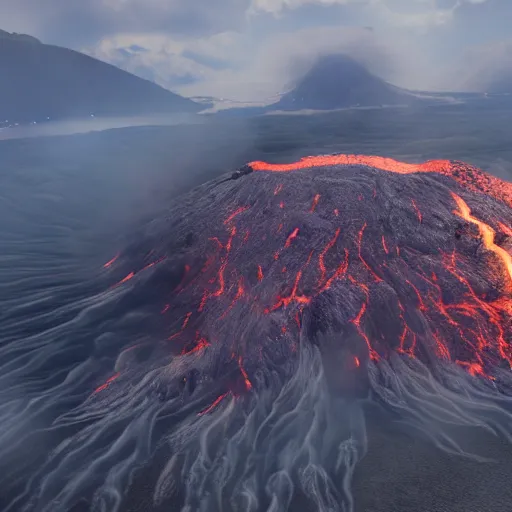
385, 257
268, 305
470, 177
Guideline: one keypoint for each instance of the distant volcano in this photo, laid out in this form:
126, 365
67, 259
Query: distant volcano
337, 81
244, 330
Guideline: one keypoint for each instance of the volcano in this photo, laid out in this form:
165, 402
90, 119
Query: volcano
337, 81
273, 302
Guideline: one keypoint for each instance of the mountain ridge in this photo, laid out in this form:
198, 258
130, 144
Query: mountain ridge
41, 81
18, 37
338, 81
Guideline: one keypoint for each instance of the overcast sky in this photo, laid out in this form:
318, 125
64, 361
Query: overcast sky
249, 49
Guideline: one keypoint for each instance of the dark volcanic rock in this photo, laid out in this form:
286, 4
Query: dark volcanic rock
249, 329
356, 252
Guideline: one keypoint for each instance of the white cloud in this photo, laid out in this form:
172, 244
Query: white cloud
405, 13
75, 23
276, 6
280, 57
401, 49
486, 66
167, 60
258, 71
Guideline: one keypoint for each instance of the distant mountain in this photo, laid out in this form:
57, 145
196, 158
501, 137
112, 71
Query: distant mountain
17, 37
337, 81
334, 82
38, 81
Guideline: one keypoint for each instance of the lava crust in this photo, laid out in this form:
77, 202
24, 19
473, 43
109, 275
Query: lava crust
397, 258
279, 301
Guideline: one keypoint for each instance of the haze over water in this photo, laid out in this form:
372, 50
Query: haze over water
76, 126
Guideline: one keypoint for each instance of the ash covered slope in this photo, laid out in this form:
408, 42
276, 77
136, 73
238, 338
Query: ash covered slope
337, 81
413, 256
39, 81
400, 274
270, 303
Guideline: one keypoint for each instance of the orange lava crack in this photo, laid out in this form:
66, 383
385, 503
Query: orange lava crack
468, 176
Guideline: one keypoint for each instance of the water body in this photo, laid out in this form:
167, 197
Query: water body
76, 126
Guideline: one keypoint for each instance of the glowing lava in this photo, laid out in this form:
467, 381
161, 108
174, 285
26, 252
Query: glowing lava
417, 210
486, 232
238, 211
370, 285
183, 327
321, 262
359, 251
315, 203
291, 237
433, 307
107, 383
469, 177
111, 262
217, 401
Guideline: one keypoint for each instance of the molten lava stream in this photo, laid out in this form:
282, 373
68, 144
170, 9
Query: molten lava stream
468, 176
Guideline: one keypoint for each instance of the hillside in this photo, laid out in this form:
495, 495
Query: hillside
337, 81
40, 81
17, 37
